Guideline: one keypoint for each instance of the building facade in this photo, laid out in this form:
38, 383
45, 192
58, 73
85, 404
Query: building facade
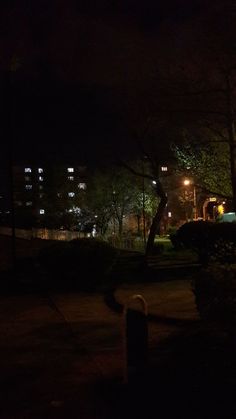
44, 193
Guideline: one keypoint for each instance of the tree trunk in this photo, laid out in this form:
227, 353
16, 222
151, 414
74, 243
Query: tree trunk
120, 222
156, 220
138, 224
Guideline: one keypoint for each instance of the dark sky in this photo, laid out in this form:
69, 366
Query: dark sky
71, 72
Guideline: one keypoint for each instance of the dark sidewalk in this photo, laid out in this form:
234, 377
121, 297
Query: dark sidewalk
62, 357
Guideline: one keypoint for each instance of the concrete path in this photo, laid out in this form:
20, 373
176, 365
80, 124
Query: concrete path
61, 356
57, 350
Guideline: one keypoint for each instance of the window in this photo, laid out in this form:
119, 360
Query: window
70, 177
40, 178
41, 211
28, 170
82, 185
27, 178
28, 187
164, 168
29, 203
71, 194
40, 187
70, 169
40, 170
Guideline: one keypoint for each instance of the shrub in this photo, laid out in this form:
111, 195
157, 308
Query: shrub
86, 261
223, 242
212, 241
215, 294
196, 235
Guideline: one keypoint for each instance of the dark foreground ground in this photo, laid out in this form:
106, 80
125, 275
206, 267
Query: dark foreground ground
62, 354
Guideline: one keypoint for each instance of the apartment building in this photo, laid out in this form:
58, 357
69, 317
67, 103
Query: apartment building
41, 191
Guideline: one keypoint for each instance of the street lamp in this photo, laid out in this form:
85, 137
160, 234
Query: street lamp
188, 182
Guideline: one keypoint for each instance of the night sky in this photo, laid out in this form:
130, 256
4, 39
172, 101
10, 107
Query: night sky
75, 75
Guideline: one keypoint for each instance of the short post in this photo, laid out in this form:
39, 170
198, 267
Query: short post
135, 339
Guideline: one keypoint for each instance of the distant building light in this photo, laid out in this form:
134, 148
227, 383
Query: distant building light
70, 169
40, 187
70, 210
82, 185
96, 216
154, 182
27, 178
169, 214
94, 231
164, 168
40, 170
41, 211
40, 178
71, 194
70, 177
41, 195
28, 187
29, 203
28, 170
76, 210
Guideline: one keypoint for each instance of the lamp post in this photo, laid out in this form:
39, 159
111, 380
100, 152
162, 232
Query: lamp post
188, 182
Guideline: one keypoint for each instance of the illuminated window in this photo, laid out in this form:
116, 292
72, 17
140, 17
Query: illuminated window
40, 178
41, 211
28, 187
28, 170
29, 203
164, 168
169, 214
40, 170
40, 187
41, 195
70, 177
27, 178
71, 194
70, 169
82, 185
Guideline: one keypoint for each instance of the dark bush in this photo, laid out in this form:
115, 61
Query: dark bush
175, 241
215, 294
86, 261
197, 235
212, 241
223, 242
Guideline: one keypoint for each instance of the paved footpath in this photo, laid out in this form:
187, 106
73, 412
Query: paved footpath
47, 370
61, 354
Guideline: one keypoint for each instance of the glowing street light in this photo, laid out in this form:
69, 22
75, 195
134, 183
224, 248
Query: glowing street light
188, 182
